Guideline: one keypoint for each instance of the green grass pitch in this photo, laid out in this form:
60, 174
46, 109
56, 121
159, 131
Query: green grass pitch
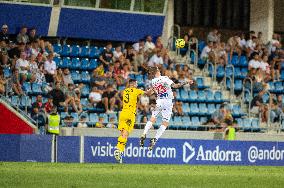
127, 175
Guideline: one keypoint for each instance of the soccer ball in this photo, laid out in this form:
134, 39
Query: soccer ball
180, 43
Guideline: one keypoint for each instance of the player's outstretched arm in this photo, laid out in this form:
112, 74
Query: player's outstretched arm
178, 85
149, 91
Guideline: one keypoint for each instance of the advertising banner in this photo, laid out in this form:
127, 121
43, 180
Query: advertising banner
179, 151
68, 149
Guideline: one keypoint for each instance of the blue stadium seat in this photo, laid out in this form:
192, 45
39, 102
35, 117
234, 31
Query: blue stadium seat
201, 62
85, 91
57, 60
201, 45
63, 115
140, 80
85, 64
186, 122
95, 52
178, 97
255, 124
177, 122
247, 124
218, 97
185, 108
244, 72
209, 96
200, 83
195, 123
184, 95
211, 108
282, 74
85, 51
243, 61
27, 87
203, 120
228, 83
235, 60
26, 102
66, 49
238, 85
229, 71
57, 48
7, 72
94, 118
203, 109
236, 111
240, 122
65, 63
220, 72
76, 77
15, 100
85, 77
194, 110
113, 116
192, 96
36, 89
265, 98
201, 96
75, 49
278, 87
75, 64
75, 116
85, 103
238, 73
93, 64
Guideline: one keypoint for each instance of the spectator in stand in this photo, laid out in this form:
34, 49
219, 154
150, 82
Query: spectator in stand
257, 106
149, 45
100, 123
144, 104
280, 102
106, 56
32, 35
177, 109
219, 116
38, 103
4, 36
205, 52
71, 99
159, 44
213, 36
111, 123
58, 96
34, 48
156, 60
2, 82
250, 46
276, 64
17, 87
265, 67
68, 121
254, 64
98, 78
50, 68
125, 73
48, 105
22, 37
24, 69
117, 53
276, 112
259, 38
274, 44
67, 79
82, 122
139, 46
40, 120
109, 99
95, 97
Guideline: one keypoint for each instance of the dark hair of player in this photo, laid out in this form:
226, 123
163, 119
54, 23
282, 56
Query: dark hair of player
152, 72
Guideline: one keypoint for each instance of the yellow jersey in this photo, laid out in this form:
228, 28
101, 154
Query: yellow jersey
130, 96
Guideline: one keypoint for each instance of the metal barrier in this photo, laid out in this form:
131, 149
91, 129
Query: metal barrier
269, 109
251, 85
249, 101
232, 79
207, 68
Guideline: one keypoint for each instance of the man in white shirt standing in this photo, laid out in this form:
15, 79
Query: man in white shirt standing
206, 50
24, 67
50, 68
149, 45
156, 60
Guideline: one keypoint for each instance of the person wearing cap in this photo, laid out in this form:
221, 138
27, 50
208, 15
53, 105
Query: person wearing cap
4, 36
53, 122
22, 36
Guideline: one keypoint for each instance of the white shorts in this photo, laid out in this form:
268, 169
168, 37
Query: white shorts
165, 107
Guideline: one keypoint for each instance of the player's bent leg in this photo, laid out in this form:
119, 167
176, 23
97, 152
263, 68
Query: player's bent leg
148, 126
121, 143
159, 133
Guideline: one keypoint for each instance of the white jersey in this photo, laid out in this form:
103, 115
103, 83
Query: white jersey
162, 87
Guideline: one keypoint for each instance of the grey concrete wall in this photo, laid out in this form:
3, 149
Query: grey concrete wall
279, 15
204, 135
262, 17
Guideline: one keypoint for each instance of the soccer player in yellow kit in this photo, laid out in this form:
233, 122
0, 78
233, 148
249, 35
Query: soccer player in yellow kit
127, 116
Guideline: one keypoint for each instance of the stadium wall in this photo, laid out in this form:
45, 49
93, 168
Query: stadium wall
12, 123
46, 148
16, 15
103, 25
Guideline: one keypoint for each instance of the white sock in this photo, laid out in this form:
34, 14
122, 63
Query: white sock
147, 127
160, 131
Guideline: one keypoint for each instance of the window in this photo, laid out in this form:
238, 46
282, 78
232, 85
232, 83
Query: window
116, 4
156, 6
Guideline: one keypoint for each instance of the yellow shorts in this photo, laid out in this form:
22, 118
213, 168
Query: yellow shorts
126, 121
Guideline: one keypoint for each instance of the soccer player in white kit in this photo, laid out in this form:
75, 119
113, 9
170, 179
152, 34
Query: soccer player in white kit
162, 86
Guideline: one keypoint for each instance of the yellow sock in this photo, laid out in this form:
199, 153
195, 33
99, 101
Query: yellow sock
121, 142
